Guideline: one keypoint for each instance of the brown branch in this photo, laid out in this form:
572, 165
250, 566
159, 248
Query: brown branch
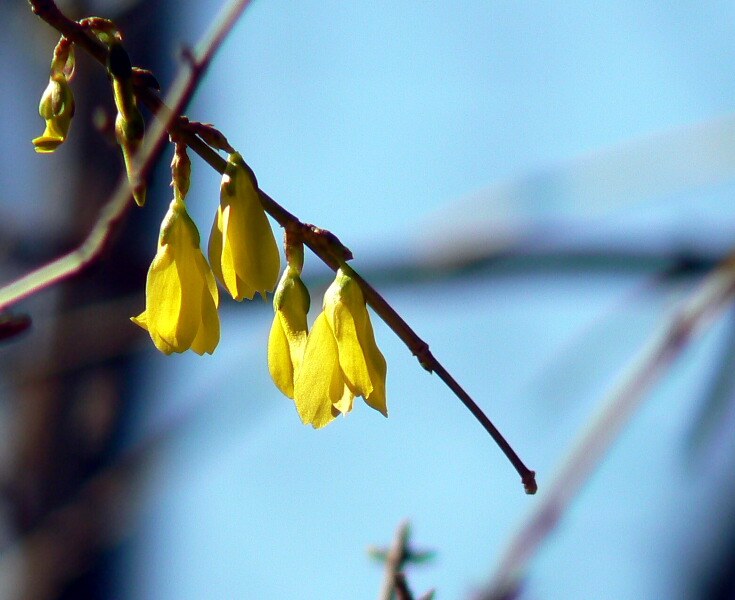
396, 558
698, 311
324, 244
400, 587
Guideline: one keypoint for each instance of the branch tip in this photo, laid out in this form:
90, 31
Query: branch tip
529, 483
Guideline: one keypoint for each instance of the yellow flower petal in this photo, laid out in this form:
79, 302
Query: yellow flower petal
173, 303
319, 383
208, 334
141, 320
280, 364
215, 247
47, 143
377, 367
344, 307
292, 306
346, 402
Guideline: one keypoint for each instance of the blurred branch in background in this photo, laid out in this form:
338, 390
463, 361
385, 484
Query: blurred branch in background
606, 203
690, 320
396, 558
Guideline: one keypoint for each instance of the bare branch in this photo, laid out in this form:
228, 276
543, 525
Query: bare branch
396, 558
394, 561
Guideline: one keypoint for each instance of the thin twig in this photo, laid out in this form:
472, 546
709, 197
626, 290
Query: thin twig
400, 585
394, 561
396, 558
694, 315
420, 349
324, 244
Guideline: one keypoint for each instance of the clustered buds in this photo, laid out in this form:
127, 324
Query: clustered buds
57, 101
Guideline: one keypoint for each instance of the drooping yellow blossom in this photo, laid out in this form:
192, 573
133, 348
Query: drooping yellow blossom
181, 293
242, 249
341, 359
57, 100
289, 331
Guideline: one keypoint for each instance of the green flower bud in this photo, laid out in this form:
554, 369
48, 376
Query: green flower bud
57, 100
57, 108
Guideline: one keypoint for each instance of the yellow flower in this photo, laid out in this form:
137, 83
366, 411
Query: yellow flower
288, 334
242, 249
57, 107
181, 293
341, 359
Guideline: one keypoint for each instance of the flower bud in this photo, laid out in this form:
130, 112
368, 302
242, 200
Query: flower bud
180, 171
57, 100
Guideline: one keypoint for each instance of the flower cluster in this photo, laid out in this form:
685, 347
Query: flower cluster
325, 369
322, 370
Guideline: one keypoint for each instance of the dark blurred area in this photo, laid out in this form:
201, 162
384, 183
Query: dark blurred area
72, 376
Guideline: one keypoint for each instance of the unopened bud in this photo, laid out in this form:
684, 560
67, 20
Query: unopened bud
57, 108
180, 171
